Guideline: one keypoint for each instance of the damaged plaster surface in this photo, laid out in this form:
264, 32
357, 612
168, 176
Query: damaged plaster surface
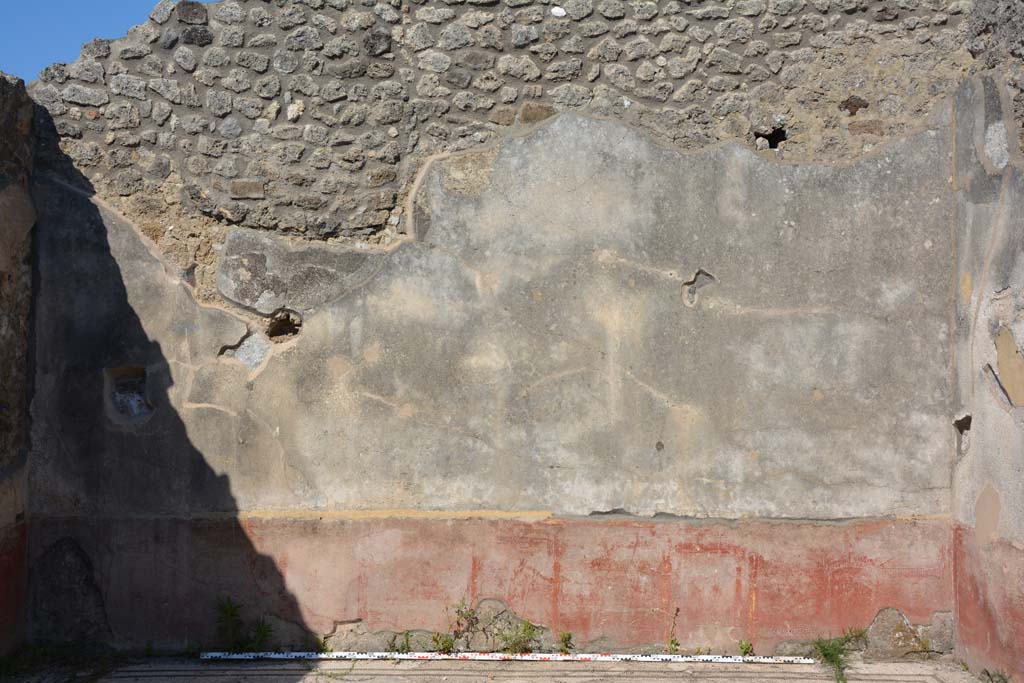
355, 312
691, 335
312, 118
988, 477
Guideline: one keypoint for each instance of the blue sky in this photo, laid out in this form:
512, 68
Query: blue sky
37, 33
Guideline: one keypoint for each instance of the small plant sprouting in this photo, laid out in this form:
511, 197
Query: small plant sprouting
444, 643
833, 654
466, 624
402, 646
230, 629
673, 644
832, 651
520, 639
261, 634
320, 645
700, 651
466, 620
746, 648
565, 644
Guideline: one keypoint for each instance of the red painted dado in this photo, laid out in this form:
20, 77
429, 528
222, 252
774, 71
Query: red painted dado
622, 580
990, 603
613, 582
13, 547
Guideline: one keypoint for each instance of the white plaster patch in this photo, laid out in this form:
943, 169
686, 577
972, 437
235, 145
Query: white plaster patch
997, 146
893, 294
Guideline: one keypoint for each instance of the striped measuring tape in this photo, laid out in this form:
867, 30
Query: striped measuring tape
505, 657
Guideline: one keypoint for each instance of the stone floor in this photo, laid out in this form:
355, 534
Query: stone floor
509, 672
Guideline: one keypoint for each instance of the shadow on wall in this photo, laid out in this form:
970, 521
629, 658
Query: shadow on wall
133, 536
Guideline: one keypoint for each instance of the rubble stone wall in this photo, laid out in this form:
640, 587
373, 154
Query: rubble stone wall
310, 118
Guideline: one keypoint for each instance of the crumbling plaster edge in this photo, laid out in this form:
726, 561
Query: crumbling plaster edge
940, 117
257, 516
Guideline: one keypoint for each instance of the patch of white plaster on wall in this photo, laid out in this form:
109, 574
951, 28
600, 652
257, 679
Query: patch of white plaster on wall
996, 145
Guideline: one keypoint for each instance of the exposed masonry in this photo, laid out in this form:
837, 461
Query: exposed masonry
309, 116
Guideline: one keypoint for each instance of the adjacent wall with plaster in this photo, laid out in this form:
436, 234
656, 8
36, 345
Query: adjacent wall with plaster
988, 478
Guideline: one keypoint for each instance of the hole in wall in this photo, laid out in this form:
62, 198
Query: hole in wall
284, 325
701, 278
853, 104
962, 424
613, 511
963, 438
773, 137
126, 398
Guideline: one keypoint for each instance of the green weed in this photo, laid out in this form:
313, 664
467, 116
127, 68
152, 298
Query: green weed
230, 629
261, 634
444, 643
233, 634
832, 651
466, 620
320, 645
402, 646
521, 638
673, 644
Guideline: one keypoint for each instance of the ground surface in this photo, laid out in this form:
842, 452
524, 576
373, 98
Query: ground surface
479, 672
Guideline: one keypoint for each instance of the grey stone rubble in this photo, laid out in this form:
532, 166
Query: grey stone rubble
310, 117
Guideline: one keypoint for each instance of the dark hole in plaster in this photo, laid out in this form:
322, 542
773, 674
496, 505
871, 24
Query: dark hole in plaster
701, 278
189, 275
125, 389
613, 511
774, 137
283, 325
659, 446
962, 424
853, 104
963, 439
